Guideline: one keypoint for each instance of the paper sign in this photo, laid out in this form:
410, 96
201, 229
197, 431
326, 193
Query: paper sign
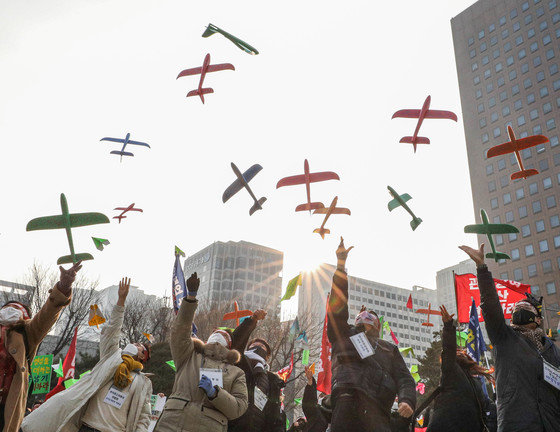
115, 397
362, 345
157, 403
551, 374
305, 357
41, 369
260, 399
215, 375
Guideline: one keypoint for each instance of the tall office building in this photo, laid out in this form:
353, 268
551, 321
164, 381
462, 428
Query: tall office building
507, 57
242, 271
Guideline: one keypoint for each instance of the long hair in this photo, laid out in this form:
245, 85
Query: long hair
472, 367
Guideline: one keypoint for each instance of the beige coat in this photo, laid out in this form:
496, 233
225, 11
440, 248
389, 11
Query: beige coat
35, 330
188, 409
63, 411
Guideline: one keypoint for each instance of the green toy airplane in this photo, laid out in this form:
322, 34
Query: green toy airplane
488, 229
100, 243
211, 29
68, 221
400, 200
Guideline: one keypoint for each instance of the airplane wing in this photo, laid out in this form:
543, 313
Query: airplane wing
237, 185
393, 204
323, 176
428, 311
220, 67
407, 113
139, 143
238, 314
490, 229
58, 222
46, 222
436, 114
187, 72
336, 210
135, 209
291, 181
120, 153
121, 208
117, 140
520, 144
84, 219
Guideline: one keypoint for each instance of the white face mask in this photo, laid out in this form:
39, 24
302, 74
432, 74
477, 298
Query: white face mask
218, 338
10, 315
131, 350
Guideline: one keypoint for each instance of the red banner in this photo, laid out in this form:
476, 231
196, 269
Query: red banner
68, 367
466, 286
324, 374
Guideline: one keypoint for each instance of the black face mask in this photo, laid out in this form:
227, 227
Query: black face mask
522, 317
260, 351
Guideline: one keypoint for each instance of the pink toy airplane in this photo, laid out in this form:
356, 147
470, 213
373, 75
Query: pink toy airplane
424, 113
307, 178
428, 311
515, 146
206, 67
125, 210
333, 209
237, 314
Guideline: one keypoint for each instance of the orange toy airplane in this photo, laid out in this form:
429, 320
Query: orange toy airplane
237, 314
333, 209
428, 311
515, 146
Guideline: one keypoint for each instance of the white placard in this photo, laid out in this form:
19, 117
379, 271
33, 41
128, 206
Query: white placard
551, 374
160, 403
216, 375
115, 397
260, 398
362, 345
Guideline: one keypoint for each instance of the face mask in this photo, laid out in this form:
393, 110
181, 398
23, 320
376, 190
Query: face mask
522, 317
218, 338
131, 350
10, 315
260, 351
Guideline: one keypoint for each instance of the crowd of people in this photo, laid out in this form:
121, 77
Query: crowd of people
225, 383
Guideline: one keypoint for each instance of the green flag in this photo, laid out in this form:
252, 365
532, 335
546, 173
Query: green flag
407, 350
70, 382
292, 287
58, 369
179, 252
171, 364
297, 401
462, 339
305, 358
414, 373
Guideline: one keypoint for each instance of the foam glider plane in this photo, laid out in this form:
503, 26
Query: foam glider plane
515, 146
307, 178
100, 243
332, 209
68, 221
428, 311
243, 182
126, 210
488, 229
237, 314
400, 200
421, 115
95, 316
126, 141
206, 68
212, 29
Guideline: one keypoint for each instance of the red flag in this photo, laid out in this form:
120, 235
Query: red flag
324, 374
409, 302
394, 337
466, 286
68, 367
285, 373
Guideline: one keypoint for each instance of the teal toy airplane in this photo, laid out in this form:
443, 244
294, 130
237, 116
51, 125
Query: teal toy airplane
400, 200
67, 221
488, 229
211, 29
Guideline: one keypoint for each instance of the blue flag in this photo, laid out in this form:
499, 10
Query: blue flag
474, 336
178, 286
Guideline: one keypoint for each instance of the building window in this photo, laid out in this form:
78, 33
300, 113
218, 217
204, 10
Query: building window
543, 246
499, 239
522, 54
485, 138
543, 164
520, 193
480, 34
478, 94
512, 74
520, 120
551, 202
539, 225
494, 203
535, 289
503, 96
518, 274
530, 98
534, 114
518, 105
532, 270
554, 221
482, 122
490, 88
534, 46
550, 288
515, 89
546, 40
512, 237
518, 40
543, 26
553, 69
547, 183
509, 216
491, 186
509, 60
491, 102
529, 251
525, 231
505, 111
507, 198
531, 33
550, 124
480, 108
497, 132
550, 54
533, 188
513, 14
537, 207
537, 61
547, 107
528, 84
557, 241
546, 266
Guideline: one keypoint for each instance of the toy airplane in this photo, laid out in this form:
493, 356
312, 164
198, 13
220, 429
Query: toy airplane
400, 200
515, 146
124, 142
211, 29
237, 314
99, 242
125, 210
332, 209
421, 114
68, 221
148, 336
95, 316
488, 229
206, 67
428, 311
243, 182
307, 178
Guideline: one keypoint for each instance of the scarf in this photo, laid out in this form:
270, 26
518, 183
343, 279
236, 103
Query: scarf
122, 377
261, 363
535, 336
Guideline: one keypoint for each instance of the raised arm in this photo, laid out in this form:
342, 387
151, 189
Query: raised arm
309, 402
111, 332
406, 386
449, 344
242, 333
338, 299
181, 340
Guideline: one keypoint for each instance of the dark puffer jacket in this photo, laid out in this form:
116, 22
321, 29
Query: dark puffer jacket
316, 415
526, 403
379, 377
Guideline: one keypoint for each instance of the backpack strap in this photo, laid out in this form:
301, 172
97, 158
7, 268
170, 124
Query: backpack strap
422, 407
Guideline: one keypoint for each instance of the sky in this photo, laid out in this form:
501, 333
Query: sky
327, 80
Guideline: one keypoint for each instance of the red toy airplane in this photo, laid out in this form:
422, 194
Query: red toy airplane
307, 178
333, 209
237, 314
428, 311
206, 67
424, 113
124, 210
515, 146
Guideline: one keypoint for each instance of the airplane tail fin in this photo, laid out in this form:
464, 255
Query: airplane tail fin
200, 93
497, 256
419, 140
120, 153
524, 174
322, 232
257, 206
415, 222
67, 259
208, 32
310, 206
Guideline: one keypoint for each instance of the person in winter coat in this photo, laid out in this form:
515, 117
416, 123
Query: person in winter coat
299, 425
263, 387
318, 416
20, 336
113, 397
363, 390
526, 401
460, 404
197, 402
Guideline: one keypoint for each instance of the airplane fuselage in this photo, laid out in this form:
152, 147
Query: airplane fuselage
329, 212
396, 196
307, 182
240, 177
66, 216
485, 221
203, 72
422, 116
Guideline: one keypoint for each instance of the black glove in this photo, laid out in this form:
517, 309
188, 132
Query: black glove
192, 285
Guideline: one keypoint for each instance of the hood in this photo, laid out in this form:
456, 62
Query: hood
217, 352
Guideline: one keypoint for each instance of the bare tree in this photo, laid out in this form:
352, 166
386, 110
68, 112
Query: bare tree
142, 315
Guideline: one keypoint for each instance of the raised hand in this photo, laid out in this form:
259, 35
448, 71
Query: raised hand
192, 285
405, 410
124, 287
309, 375
342, 254
445, 317
67, 278
259, 314
476, 255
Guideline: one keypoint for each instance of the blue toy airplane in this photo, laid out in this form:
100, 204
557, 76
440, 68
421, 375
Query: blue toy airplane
243, 182
124, 142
